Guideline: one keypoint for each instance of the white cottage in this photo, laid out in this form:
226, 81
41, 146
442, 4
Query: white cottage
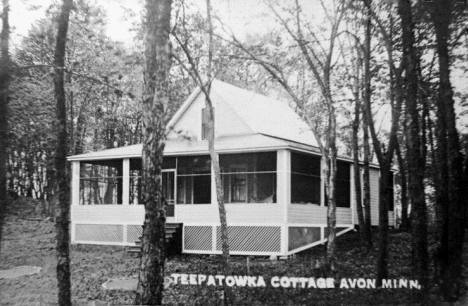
270, 167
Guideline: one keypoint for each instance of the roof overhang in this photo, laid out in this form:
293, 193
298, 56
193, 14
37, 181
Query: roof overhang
174, 147
227, 144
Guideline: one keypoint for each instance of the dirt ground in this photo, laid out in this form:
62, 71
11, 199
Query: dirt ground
31, 242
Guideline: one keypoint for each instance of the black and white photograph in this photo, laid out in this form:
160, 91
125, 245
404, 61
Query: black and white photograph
234, 152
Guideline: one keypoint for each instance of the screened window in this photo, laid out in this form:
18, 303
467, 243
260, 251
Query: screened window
249, 178
194, 180
343, 184
101, 182
135, 178
305, 179
135, 181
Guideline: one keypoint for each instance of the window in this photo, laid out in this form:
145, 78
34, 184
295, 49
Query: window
194, 180
101, 182
305, 179
249, 178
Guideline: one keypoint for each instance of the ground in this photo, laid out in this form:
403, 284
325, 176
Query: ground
29, 240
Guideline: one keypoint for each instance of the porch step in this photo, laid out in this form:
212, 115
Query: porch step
173, 241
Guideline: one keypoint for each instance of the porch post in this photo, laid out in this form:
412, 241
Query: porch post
75, 183
283, 192
126, 182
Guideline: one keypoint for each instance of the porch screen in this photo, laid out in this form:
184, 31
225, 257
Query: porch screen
249, 178
135, 177
343, 184
305, 179
101, 182
194, 180
135, 181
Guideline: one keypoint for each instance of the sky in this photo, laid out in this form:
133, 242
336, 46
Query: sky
244, 17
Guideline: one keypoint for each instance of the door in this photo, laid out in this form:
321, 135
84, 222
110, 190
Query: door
168, 190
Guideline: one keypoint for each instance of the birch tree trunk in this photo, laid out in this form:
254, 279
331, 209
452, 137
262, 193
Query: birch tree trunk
155, 106
228, 297
357, 169
61, 175
4, 97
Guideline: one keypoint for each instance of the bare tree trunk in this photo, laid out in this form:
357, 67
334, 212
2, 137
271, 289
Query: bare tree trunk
449, 164
385, 156
4, 97
228, 297
61, 175
357, 167
413, 144
366, 185
405, 221
331, 192
206, 89
365, 128
155, 105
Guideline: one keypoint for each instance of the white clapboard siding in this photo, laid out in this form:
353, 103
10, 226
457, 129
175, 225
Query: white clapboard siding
251, 213
314, 214
108, 214
374, 189
391, 218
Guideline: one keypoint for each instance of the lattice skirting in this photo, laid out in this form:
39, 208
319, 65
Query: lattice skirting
242, 239
304, 237
198, 238
134, 233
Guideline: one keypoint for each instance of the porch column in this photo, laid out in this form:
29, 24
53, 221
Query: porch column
126, 182
283, 192
283, 179
75, 185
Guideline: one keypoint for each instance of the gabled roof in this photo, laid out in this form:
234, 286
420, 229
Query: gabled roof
261, 114
267, 124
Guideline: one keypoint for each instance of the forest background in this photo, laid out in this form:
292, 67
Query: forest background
389, 78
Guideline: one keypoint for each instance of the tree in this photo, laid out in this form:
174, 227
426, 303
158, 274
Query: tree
362, 91
415, 158
208, 114
156, 101
449, 160
385, 153
4, 97
321, 68
61, 177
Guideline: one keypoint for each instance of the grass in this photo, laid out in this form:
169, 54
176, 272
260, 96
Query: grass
30, 242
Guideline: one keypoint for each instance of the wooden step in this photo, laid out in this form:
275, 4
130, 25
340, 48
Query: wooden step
173, 240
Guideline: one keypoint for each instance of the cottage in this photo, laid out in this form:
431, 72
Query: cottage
270, 166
